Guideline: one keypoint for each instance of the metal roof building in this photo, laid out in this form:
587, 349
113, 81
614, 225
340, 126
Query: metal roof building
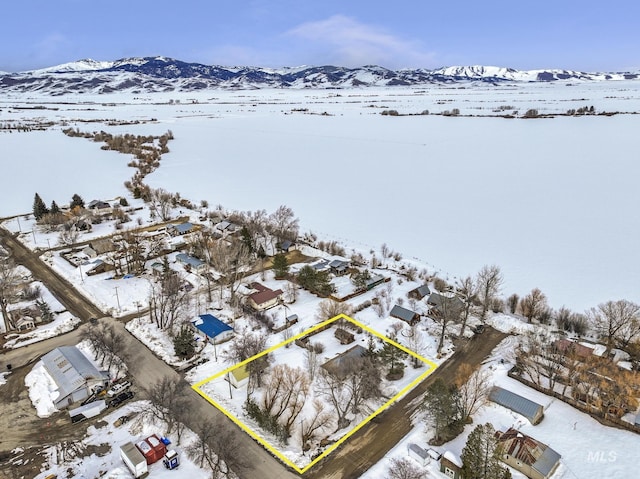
73, 373
529, 456
211, 326
404, 314
523, 406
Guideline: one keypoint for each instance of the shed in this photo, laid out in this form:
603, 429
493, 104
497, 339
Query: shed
451, 465
533, 411
214, 329
420, 292
239, 376
420, 455
76, 377
529, 456
285, 246
404, 314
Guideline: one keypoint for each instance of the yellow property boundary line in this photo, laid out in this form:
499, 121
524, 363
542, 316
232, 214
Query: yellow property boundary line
266, 444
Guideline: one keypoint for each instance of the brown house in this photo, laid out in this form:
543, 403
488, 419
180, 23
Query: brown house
264, 298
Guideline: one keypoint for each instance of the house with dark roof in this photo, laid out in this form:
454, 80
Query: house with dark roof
214, 330
285, 246
533, 411
440, 304
75, 376
98, 205
339, 266
527, 455
420, 292
343, 361
404, 314
264, 298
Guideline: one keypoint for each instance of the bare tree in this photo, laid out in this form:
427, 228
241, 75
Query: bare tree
615, 321
283, 224
329, 308
315, 424
68, 233
168, 398
416, 343
473, 390
108, 345
335, 389
311, 362
285, 390
161, 201
403, 468
363, 381
9, 282
489, 281
245, 345
533, 305
168, 301
468, 291
232, 259
217, 448
449, 312
512, 302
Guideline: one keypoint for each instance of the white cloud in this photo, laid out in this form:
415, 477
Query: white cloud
345, 41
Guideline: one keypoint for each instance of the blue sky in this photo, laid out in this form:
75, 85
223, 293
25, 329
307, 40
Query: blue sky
525, 34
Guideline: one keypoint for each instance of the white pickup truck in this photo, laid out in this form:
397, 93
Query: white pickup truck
118, 388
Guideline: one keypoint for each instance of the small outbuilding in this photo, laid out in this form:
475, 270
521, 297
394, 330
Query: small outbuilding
404, 314
420, 292
421, 456
239, 376
338, 365
451, 465
533, 411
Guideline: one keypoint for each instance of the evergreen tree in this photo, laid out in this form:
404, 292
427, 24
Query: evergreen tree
183, 344
76, 200
280, 265
360, 279
55, 209
441, 406
39, 208
45, 310
247, 239
480, 456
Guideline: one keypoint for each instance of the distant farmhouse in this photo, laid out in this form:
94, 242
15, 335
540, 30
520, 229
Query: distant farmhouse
76, 377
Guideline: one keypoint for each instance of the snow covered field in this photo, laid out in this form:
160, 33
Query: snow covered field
548, 200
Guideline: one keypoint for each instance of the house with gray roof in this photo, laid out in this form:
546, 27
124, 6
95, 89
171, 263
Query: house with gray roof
194, 263
533, 411
404, 314
420, 292
75, 376
527, 455
441, 304
339, 365
180, 229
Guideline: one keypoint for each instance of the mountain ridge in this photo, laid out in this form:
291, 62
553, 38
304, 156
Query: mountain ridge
154, 74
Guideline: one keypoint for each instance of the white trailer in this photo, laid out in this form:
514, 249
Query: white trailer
134, 460
91, 409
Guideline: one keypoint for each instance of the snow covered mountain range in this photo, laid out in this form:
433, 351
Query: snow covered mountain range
161, 74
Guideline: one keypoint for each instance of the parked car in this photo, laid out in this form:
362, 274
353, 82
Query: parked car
479, 329
118, 388
120, 398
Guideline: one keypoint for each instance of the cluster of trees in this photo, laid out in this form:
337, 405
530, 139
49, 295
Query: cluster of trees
450, 406
585, 110
9, 286
317, 282
108, 345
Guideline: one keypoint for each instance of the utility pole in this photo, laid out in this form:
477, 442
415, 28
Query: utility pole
118, 299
